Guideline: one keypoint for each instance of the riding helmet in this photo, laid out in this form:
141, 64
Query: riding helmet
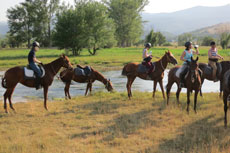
187, 44
212, 43
35, 44
148, 45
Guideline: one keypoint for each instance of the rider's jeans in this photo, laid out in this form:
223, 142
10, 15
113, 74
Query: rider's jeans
36, 69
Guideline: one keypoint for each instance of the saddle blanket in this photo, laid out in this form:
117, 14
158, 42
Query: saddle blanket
29, 74
143, 69
83, 72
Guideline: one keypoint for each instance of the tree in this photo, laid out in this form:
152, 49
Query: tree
20, 20
99, 28
128, 22
184, 38
207, 40
224, 40
69, 30
155, 38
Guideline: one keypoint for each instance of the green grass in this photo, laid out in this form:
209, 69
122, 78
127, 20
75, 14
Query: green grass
106, 59
109, 122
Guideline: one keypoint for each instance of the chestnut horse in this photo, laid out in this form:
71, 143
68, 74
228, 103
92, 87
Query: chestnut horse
67, 75
130, 70
193, 82
226, 91
15, 75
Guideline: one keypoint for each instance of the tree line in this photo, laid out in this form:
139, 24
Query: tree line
223, 40
87, 24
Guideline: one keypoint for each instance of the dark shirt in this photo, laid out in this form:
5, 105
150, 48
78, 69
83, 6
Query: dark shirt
31, 56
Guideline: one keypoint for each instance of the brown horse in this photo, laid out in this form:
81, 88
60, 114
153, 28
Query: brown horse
225, 65
226, 91
130, 70
67, 76
15, 75
193, 82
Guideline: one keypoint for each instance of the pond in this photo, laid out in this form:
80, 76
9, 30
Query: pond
24, 94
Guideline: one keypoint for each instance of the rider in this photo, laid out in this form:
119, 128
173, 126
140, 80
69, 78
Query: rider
186, 57
213, 58
147, 58
32, 60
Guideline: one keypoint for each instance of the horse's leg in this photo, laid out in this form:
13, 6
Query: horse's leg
45, 88
67, 86
9, 98
195, 99
65, 90
168, 88
6, 94
225, 98
131, 85
154, 88
188, 99
90, 87
87, 89
202, 81
221, 89
178, 94
162, 88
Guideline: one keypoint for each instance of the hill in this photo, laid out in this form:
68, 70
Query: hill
213, 31
186, 20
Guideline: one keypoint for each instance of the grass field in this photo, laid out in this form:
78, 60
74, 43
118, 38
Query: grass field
106, 59
110, 123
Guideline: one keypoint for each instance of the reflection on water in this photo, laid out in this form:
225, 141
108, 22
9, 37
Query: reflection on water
23, 93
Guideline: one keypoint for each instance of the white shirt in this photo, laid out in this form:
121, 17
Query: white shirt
145, 52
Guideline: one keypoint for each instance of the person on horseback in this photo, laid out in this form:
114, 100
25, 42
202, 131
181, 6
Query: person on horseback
147, 57
186, 57
32, 60
213, 58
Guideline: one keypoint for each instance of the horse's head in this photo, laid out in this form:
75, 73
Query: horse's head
170, 58
194, 67
65, 62
109, 85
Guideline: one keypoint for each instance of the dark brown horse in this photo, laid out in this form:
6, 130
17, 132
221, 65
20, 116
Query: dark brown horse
225, 65
15, 75
193, 82
130, 70
67, 76
226, 95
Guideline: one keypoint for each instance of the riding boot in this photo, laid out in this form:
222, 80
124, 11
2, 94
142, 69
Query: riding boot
181, 85
37, 82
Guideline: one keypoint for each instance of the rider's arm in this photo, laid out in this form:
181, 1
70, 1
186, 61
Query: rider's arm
146, 53
36, 60
196, 52
182, 56
220, 57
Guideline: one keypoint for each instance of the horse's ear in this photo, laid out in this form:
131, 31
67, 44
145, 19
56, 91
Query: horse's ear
168, 51
192, 58
109, 80
197, 58
63, 55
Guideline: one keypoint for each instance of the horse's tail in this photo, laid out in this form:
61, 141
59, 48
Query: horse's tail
4, 82
124, 71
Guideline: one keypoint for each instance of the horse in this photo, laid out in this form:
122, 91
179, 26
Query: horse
226, 93
67, 76
15, 75
130, 70
225, 66
193, 82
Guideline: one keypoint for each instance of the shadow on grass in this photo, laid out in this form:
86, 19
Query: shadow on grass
102, 107
199, 136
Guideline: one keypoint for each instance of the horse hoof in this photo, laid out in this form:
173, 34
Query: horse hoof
6, 112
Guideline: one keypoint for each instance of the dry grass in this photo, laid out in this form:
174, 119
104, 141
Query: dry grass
110, 123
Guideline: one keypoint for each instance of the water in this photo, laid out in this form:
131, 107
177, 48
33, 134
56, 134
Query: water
56, 90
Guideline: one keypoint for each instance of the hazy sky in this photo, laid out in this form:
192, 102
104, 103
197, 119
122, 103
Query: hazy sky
155, 6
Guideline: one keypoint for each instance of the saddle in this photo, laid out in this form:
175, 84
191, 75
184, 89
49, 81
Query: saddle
30, 74
86, 71
142, 68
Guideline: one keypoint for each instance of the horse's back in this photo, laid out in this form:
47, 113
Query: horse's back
130, 68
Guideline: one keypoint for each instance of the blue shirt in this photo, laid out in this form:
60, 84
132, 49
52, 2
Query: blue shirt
31, 56
188, 56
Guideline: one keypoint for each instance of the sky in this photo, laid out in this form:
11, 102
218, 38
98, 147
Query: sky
155, 6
